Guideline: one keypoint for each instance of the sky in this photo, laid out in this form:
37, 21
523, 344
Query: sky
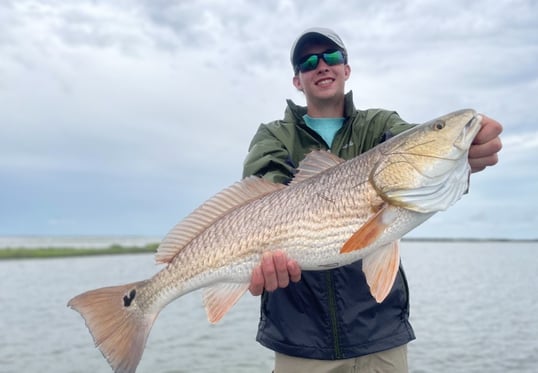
121, 117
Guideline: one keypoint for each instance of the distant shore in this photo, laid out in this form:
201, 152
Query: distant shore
62, 252
462, 239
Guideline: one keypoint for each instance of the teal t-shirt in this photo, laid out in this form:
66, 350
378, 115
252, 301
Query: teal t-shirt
325, 127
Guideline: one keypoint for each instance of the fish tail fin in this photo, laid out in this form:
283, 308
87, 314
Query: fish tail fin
119, 327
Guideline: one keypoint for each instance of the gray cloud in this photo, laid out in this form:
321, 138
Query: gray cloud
145, 108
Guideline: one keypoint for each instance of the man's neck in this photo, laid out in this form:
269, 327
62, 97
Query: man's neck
324, 109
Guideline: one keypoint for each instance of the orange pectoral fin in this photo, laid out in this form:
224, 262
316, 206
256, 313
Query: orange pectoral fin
370, 231
380, 269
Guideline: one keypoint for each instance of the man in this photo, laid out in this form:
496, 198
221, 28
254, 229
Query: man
328, 321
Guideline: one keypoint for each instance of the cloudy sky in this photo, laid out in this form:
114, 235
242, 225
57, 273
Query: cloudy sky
121, 117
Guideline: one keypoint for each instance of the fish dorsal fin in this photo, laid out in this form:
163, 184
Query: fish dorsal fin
238, 194
219, 298
315, 162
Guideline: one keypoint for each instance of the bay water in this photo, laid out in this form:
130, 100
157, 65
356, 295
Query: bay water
474, 308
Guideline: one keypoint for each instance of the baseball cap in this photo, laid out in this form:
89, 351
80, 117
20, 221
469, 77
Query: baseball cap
311, 34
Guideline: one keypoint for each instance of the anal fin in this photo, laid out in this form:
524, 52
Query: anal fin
220, 298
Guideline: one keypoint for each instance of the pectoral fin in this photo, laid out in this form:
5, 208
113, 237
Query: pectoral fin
380, 269
371, 230
220, 298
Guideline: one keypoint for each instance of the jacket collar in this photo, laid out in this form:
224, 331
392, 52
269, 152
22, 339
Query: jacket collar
294, 113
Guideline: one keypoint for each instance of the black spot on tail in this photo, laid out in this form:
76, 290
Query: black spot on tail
127, 299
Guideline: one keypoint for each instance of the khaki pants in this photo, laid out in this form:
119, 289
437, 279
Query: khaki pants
390, 361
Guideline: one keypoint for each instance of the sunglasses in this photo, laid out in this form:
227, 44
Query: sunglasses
311, 61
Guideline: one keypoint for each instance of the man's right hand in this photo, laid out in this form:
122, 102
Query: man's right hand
275, 271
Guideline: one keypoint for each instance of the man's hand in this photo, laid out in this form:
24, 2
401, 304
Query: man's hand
275, 271
486, 145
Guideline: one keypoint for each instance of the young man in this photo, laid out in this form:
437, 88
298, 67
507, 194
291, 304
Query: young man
328, 321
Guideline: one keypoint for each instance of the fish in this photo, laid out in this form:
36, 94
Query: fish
332, 213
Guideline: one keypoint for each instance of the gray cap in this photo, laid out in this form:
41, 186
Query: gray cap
314, 33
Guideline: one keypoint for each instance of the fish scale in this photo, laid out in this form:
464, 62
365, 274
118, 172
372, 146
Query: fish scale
333, 213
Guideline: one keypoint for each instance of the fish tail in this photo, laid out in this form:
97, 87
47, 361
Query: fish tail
119, 327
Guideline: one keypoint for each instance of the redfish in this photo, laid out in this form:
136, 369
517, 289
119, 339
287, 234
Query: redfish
333, 213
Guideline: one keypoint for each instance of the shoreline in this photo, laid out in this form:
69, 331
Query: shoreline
65, 252
45, 252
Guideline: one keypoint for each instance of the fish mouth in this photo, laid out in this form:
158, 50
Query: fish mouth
468, 133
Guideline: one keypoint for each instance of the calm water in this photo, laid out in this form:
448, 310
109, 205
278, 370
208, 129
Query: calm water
474, 309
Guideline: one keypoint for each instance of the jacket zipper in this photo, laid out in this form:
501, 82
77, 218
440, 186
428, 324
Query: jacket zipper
332, 314
329, 277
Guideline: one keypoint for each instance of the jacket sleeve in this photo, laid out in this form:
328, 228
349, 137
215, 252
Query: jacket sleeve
268, 158
396, 125
382, 125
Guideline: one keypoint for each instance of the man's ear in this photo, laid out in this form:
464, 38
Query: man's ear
297, 83
347, 71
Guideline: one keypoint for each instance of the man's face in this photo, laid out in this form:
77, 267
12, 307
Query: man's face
324, 82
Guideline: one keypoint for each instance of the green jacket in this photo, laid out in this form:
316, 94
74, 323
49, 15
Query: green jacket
279, 146
329, 314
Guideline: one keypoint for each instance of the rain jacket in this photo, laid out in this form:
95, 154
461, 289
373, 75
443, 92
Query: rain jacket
329, 314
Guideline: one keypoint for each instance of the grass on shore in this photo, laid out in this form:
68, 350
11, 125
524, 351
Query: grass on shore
61, 252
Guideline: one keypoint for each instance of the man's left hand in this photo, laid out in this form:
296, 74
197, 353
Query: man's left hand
486, 145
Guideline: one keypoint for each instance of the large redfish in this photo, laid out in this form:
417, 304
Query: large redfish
333, 213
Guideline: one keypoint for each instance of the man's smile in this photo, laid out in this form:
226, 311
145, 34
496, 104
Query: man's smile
324, 82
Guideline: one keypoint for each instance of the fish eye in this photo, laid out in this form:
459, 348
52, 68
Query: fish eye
439, 125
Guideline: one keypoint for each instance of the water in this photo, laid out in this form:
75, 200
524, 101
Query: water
474, 307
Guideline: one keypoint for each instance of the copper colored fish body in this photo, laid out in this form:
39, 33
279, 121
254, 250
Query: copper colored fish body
333, 213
